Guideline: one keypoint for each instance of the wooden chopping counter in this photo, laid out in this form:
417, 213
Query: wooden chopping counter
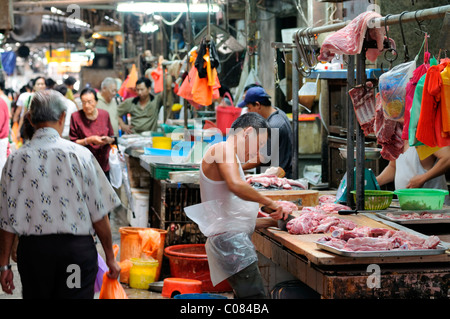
335, 276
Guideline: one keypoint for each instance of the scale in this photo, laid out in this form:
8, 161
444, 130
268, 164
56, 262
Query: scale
370, 181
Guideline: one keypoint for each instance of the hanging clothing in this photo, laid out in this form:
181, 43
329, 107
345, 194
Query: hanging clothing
157, 75
431, 96
410, 90
445, 99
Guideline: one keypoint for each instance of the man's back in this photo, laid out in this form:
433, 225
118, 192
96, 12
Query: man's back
279, 120
52, 185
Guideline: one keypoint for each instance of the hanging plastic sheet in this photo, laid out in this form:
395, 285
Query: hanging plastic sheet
9, 62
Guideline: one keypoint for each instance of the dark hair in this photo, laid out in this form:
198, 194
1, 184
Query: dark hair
265, 102
223, 90
251, 119
251, 86
70, 81
33, 81
88, 90
49, 82
144, 80
61, 89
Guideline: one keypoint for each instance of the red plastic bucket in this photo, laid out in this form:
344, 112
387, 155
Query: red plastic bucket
190, 261
225, 116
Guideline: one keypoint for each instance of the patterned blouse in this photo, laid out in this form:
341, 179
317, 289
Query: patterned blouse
51, 186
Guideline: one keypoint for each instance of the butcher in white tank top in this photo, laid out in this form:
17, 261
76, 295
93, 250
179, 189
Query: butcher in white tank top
408, 165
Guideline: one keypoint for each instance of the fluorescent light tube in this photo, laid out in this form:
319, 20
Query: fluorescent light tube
151, 7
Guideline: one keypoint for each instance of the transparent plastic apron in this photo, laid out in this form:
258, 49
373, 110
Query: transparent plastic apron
228, 223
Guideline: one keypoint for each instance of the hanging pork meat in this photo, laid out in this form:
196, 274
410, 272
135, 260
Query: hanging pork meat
363, 100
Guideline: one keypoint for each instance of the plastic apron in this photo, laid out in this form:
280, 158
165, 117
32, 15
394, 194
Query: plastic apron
228, 222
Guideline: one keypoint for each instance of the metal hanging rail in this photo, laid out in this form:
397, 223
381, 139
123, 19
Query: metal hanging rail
414, 16
424, 14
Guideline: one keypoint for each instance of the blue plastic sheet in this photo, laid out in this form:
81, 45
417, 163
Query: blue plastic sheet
9, 62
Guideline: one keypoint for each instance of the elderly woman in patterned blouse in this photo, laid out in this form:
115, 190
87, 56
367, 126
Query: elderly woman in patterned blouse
54, 197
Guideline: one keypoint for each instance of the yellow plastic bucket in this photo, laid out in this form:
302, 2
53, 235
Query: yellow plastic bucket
143, 272
162, 142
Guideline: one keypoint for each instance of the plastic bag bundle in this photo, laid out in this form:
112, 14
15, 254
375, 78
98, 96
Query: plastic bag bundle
392, 86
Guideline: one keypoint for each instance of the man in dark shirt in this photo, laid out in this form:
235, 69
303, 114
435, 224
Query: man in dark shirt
257, 100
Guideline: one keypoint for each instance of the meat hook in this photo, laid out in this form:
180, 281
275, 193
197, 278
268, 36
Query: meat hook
405, 47
390, 49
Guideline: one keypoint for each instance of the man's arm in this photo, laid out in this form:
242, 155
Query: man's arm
6, 277
387, 175
103, 231
439, 168
123, 109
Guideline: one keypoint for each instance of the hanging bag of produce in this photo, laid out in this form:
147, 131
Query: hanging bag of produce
392, 86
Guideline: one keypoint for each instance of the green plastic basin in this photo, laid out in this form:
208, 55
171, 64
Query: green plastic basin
421, 198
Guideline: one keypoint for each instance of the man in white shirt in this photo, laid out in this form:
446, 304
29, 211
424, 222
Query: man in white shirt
55, 197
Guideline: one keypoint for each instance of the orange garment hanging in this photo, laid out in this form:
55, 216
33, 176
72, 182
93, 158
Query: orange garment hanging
445, 100
426, 131
157, 75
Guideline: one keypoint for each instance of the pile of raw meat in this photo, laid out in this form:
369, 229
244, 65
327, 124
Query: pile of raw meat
327, 199
376, 239
423, 215
274, 182
313, 220
370, 115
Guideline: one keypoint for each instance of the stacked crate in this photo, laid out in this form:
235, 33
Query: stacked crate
167, 211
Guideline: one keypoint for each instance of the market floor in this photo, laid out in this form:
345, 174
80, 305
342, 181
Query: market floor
118, 219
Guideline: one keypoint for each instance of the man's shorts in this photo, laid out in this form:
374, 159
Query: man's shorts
248, 283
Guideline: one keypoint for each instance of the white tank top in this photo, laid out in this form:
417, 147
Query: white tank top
212, 190
408, 165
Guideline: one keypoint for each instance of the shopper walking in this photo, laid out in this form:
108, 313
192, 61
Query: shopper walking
55, 198
91, 127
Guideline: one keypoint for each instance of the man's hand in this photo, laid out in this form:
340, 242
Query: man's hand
127, 129
416, 182
114, 269
279, 212
6, 279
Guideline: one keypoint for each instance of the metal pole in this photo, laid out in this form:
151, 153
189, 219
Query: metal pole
350, 131
295, 88
360, 138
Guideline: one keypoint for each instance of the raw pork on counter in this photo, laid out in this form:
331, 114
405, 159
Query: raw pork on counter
376, 239
423, 215
272, 181
327, 199
312, 221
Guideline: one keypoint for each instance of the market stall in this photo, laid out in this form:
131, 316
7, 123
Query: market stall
320, 248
